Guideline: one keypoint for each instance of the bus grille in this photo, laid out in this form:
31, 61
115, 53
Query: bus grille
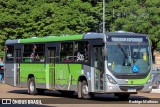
125, 88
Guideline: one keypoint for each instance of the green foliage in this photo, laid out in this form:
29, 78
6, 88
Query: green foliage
141, 16
27, 18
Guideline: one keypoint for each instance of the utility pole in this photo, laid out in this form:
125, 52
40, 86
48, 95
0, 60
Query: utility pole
103, 16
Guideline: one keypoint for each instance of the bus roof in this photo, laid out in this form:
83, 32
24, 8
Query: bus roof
123, 33
12, 41
72, 37
57, 38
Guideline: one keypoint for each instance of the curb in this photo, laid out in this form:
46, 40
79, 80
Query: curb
1, 81
155, 91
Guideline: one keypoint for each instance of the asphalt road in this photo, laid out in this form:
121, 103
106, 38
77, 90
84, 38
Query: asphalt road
53, 98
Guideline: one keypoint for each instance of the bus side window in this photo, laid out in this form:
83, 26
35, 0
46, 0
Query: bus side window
81, 51
9, 53
28, 53
39, 53
66, 54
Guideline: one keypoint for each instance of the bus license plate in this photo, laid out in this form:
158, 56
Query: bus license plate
131, 90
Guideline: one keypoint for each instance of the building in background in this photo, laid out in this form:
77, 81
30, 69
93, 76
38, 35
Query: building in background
156, 63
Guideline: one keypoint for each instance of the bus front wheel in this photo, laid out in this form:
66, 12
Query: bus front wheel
32, 86
84, 92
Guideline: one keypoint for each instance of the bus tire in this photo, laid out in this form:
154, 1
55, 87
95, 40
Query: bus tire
32, 86
158, 85
85, 94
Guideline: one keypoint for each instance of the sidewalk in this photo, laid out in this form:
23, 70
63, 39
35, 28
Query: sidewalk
1, 81
155, 91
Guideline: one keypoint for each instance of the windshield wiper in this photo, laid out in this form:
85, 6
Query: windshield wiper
125, 54
127, 60
136, 55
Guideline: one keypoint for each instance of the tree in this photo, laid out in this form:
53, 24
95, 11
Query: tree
23, 19
140, 16
27, 18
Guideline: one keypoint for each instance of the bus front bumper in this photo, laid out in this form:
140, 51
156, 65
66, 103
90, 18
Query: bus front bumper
117, 88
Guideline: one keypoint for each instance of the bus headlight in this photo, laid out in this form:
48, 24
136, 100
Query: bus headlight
148, 81
111, 80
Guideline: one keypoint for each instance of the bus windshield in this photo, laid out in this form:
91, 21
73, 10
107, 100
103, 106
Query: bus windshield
128, 59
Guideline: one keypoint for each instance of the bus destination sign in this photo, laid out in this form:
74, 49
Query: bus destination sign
127, 39
115, 39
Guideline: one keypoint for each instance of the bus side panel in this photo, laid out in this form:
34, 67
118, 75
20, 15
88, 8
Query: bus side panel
36, 70
61, 76
66, 76
75, 71
10, 76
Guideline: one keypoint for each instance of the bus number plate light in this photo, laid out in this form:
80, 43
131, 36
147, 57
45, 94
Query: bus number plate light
131, 90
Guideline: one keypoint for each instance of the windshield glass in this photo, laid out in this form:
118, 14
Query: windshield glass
128, 58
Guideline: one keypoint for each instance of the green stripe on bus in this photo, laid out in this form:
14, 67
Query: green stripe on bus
138, 81
52, 38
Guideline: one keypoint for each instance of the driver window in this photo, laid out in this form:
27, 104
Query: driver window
9, 53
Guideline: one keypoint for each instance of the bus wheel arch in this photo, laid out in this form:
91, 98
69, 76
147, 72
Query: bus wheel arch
81, 78
30, 75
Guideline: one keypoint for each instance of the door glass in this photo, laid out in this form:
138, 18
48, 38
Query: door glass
99, 68
51, 56
18, 59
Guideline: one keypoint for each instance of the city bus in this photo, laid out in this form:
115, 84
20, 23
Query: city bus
116, 63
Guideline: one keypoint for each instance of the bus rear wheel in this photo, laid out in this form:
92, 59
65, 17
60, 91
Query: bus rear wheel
85, 94
32, 86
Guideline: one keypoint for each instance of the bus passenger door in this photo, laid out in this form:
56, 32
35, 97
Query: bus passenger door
17, 66
52, 60
9, 71
98, 65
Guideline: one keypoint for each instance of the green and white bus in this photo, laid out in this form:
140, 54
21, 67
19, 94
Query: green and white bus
115, 62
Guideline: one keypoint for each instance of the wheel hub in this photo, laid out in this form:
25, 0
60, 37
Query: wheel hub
85, 89
32, 86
